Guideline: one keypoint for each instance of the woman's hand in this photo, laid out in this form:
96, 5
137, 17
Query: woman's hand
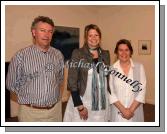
127, 113
83, 112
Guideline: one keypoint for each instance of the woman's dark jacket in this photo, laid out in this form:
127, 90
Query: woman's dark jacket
79, 65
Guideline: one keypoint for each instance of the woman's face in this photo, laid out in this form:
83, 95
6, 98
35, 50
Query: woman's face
123, 53
93, 38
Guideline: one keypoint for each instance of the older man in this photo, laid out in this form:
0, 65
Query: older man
35, 74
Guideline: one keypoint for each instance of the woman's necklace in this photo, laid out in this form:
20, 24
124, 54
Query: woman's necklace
93, 49
126, 68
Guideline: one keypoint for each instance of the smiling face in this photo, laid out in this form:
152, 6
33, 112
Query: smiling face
42, 33
93, 38
123, 53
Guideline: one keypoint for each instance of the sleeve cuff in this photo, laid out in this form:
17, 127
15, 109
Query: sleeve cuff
141, 100
112, 99
76, 98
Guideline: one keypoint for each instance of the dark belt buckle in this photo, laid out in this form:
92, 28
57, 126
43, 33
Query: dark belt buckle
48, 107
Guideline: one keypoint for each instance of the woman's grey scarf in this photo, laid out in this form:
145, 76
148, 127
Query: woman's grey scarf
98, 87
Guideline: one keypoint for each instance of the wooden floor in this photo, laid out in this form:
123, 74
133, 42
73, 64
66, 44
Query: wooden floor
149, 113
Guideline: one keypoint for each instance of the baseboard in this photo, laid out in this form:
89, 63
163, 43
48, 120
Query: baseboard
150, 101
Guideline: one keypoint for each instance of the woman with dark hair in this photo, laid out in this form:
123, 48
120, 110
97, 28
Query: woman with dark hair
128, 89
86, 80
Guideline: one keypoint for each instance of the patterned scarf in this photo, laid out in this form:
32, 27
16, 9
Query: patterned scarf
98, 87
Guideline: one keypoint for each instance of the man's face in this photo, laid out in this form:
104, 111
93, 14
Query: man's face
43, 34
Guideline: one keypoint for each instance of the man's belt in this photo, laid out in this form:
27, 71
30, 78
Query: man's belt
41, 107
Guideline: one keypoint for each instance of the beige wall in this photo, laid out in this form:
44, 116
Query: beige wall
134, 23
116, 22
19, 18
